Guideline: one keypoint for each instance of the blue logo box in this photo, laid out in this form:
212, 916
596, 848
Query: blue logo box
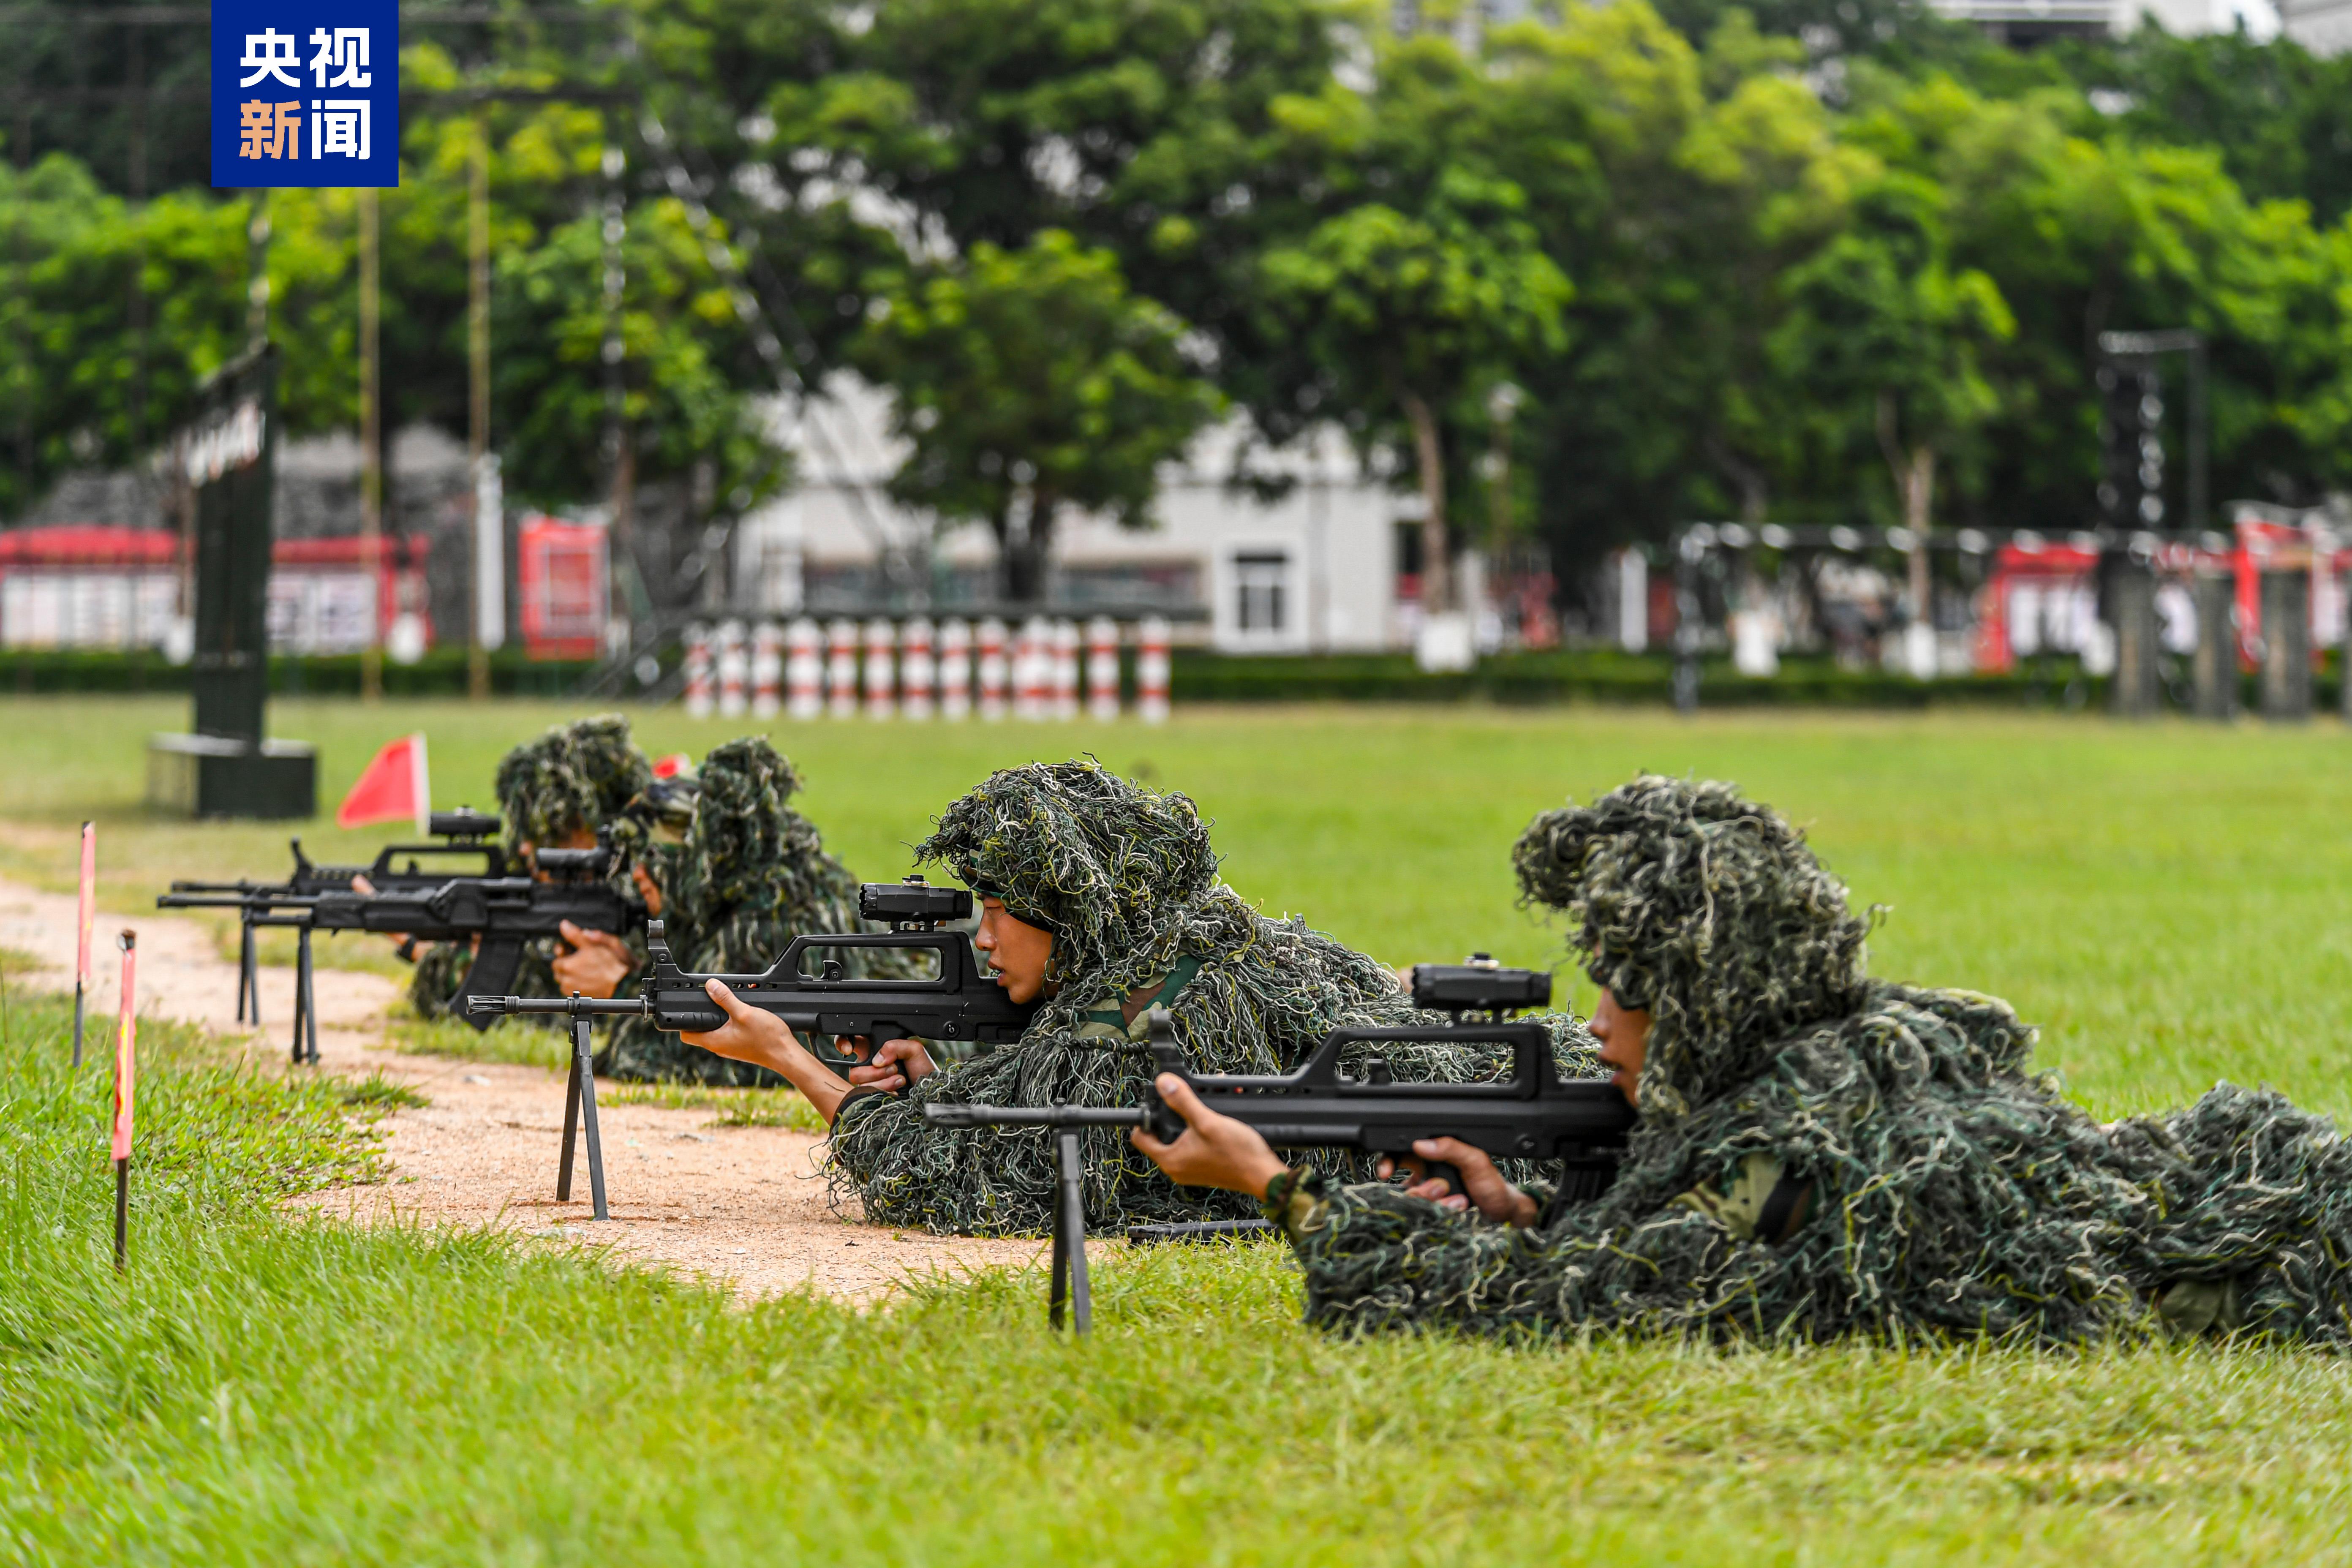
306, 94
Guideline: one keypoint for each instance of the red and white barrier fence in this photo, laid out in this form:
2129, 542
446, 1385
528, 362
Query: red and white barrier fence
993, 673
734, 671
955, 668
841, 669
803, 669
920, 670
698, 671
767, 669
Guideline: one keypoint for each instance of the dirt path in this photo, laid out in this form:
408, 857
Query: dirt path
745, 1205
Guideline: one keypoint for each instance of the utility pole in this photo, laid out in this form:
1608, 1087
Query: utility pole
478, 438
372, 440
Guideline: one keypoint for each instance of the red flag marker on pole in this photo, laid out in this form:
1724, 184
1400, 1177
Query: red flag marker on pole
126, 1073
89, 908
395, 788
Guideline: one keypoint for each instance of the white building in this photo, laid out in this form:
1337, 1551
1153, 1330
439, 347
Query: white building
1316, 570
2025, 19
2323, 27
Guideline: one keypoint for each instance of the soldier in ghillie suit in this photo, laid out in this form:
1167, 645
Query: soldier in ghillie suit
1101, 898
1817, 1152
554, 792
746, 875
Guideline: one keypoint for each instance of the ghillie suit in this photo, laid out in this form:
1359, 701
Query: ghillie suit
1128, 885
748, 875
575, 776
1820, 1154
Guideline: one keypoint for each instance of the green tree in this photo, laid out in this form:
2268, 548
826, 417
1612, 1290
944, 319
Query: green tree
1029, 381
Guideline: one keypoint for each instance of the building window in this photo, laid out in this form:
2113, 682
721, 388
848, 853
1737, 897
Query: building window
1261, 591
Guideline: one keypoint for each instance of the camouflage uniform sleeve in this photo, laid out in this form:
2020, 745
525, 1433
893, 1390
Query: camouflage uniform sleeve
1375, 1258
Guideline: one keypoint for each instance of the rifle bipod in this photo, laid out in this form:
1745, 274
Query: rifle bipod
1070, 1239
580, 1106
306, 1001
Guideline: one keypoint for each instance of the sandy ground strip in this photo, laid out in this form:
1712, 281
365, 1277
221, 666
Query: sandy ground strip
742, 1204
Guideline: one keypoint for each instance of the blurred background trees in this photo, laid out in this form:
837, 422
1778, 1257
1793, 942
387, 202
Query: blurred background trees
1803, 261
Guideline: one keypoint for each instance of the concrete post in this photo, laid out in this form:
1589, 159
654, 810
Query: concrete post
2132, 601
2216, 663
2287, 644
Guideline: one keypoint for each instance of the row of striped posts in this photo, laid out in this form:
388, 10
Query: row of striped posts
914, 669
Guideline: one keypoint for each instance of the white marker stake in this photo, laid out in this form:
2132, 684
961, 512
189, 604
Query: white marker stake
126, 1073
89, 909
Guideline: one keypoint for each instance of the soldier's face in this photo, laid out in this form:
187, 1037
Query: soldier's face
1624, 1036
1016, 950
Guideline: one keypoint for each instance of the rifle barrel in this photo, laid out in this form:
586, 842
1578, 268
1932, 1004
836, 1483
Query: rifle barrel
593, 1006
1033, 1116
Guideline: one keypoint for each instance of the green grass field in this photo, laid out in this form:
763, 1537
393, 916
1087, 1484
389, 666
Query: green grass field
2168, 901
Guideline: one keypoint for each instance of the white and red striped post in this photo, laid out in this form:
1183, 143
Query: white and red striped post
767, 669
955, 668
1152, 670
1065, 670
82, 926
1102, 667
881, 669
698, 671
803, 668
991, 669
734, 671
841, 668
126, 1078
916, 669
1033, 669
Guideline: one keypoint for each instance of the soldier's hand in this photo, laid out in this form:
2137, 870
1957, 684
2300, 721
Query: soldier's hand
402, 943
750, 1035
596, 964
1482, 1183
648, 889
899, 1064
1214, 1151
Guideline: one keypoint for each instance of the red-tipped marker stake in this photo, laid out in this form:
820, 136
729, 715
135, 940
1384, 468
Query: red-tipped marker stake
126, 1073
89, 908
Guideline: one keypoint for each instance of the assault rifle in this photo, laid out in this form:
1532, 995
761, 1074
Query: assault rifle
809, 986
465, 833
500, 915
1532, 1115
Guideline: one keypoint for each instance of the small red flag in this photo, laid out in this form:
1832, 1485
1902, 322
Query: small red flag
395, 788
670, 766
126, 1048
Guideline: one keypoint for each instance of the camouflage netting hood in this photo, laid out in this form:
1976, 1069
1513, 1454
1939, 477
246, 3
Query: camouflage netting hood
1115, 872
578, 774
1932, 1183
749, 853
1126, 880
1709, 911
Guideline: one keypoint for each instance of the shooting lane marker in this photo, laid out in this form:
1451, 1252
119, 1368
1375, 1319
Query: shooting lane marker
841, 668
955, 668
1102, 667
991, 669
82, 948
126, 1061
803, 669
580, 1106
1152, 670
698, 671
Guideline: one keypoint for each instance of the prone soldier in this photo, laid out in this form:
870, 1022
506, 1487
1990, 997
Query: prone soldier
1100, 900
